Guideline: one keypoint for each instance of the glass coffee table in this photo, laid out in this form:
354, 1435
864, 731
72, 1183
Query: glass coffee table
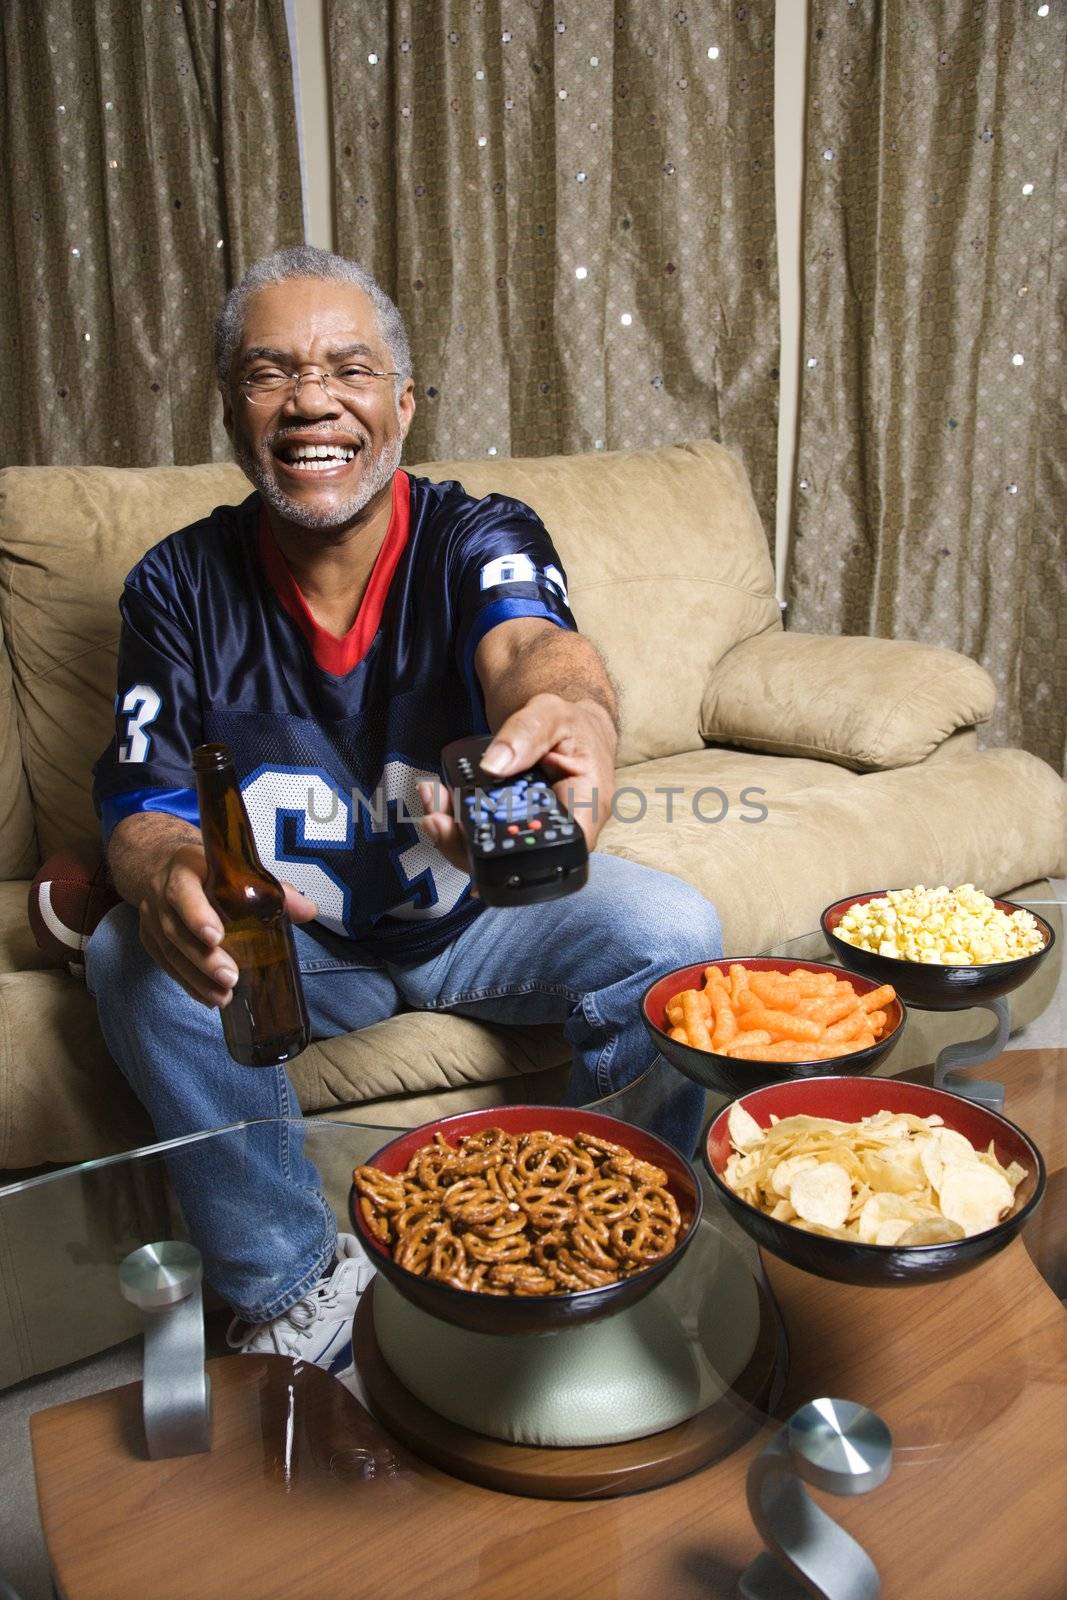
304, 1490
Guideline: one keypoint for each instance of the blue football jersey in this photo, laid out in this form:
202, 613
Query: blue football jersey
218, 646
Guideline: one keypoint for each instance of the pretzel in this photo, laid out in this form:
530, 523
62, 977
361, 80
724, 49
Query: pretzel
385, 1192
644, 1238
531, 1214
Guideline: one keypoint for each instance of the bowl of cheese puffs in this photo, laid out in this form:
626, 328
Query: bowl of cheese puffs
734, 1025
942, 949
875, 1181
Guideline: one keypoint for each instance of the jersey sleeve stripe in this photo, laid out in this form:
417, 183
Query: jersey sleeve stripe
502, 611
181, 803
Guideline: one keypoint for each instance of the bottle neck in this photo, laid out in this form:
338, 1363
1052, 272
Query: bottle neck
224, 825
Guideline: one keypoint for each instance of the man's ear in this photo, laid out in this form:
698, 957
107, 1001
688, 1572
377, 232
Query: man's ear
405, 406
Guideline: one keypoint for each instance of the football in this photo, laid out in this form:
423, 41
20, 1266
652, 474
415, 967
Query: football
68, 897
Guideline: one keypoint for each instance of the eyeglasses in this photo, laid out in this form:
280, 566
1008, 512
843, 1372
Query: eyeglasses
269, 386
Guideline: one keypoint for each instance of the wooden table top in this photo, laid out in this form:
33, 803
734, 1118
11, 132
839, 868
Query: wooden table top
303, 1493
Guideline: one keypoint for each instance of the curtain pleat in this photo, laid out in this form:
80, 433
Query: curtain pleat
573, 206
150, 155
930, 502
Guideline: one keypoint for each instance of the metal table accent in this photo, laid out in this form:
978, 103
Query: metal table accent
163, 1280
842, 1448
954, 1058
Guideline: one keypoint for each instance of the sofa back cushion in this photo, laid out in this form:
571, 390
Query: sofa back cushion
68, 537
666, 561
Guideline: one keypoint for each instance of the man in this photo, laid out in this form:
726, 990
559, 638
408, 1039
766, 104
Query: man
337, 629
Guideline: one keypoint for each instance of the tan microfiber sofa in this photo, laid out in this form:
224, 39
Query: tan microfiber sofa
863, 753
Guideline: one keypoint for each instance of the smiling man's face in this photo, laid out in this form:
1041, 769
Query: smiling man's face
312, 325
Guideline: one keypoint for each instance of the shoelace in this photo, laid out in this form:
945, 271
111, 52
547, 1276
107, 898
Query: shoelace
299, 1316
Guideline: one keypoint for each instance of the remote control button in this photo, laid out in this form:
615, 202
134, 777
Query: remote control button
486, 844
549, 834
513, 827
528, 838
534, 826
514, 881
507, 844
567, 829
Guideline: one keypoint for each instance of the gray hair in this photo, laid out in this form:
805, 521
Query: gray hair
307, 261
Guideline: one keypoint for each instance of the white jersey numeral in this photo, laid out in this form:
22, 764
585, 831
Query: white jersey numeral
141, 705
325, 821
323, 818
422, 860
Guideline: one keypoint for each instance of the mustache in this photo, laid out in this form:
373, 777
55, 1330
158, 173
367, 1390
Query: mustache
350, 436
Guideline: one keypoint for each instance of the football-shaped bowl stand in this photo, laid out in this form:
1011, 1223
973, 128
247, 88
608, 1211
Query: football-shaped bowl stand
595, 1410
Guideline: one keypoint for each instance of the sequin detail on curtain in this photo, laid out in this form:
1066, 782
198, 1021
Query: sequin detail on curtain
933, 453
151, 157
574, 208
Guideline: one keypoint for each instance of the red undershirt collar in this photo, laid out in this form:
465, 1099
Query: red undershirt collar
333, 655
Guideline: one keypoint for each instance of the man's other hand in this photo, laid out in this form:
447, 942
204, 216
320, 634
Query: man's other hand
183, 932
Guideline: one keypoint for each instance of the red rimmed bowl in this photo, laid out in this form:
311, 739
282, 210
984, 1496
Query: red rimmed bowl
733, 1075
935, 988
486, 1313
850, 1099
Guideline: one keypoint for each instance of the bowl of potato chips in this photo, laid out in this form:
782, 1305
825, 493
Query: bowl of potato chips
873, 1181
736, 1025
942, 949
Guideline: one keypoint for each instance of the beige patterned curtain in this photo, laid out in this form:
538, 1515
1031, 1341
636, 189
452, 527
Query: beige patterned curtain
150, 155
930, 500
573, 205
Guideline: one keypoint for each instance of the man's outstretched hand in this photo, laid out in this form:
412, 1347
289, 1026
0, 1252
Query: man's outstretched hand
574, 740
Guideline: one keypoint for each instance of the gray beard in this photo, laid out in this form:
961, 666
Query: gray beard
378, 472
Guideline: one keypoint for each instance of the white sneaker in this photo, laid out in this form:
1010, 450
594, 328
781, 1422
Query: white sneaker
318, 1328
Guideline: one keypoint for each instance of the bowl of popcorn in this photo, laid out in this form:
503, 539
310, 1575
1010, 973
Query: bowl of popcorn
874, 1181
941, 949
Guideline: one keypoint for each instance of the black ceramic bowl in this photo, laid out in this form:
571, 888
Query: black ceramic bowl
732, 1075
929, 987
849, 1099
486, 1313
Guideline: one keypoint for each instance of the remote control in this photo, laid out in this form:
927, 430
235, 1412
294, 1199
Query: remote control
523, 846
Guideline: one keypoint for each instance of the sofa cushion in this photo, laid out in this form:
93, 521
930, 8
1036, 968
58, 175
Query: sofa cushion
667, 564
63, 1099
19, 950
994, 818
868, 704
18, 844
667, 567
68, 537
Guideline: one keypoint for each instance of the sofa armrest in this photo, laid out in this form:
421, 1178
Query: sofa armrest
868, 704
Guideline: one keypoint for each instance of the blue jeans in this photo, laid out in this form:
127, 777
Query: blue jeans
261, 1221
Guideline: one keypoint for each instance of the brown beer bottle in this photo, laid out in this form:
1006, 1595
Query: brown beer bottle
266, 1020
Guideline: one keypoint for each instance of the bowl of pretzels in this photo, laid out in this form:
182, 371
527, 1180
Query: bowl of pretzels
524, 1219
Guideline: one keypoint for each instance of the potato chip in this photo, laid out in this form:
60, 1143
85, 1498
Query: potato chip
944, 1145
822, 1193
883, 1208
784, 1173
974, 1195
745, 1132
